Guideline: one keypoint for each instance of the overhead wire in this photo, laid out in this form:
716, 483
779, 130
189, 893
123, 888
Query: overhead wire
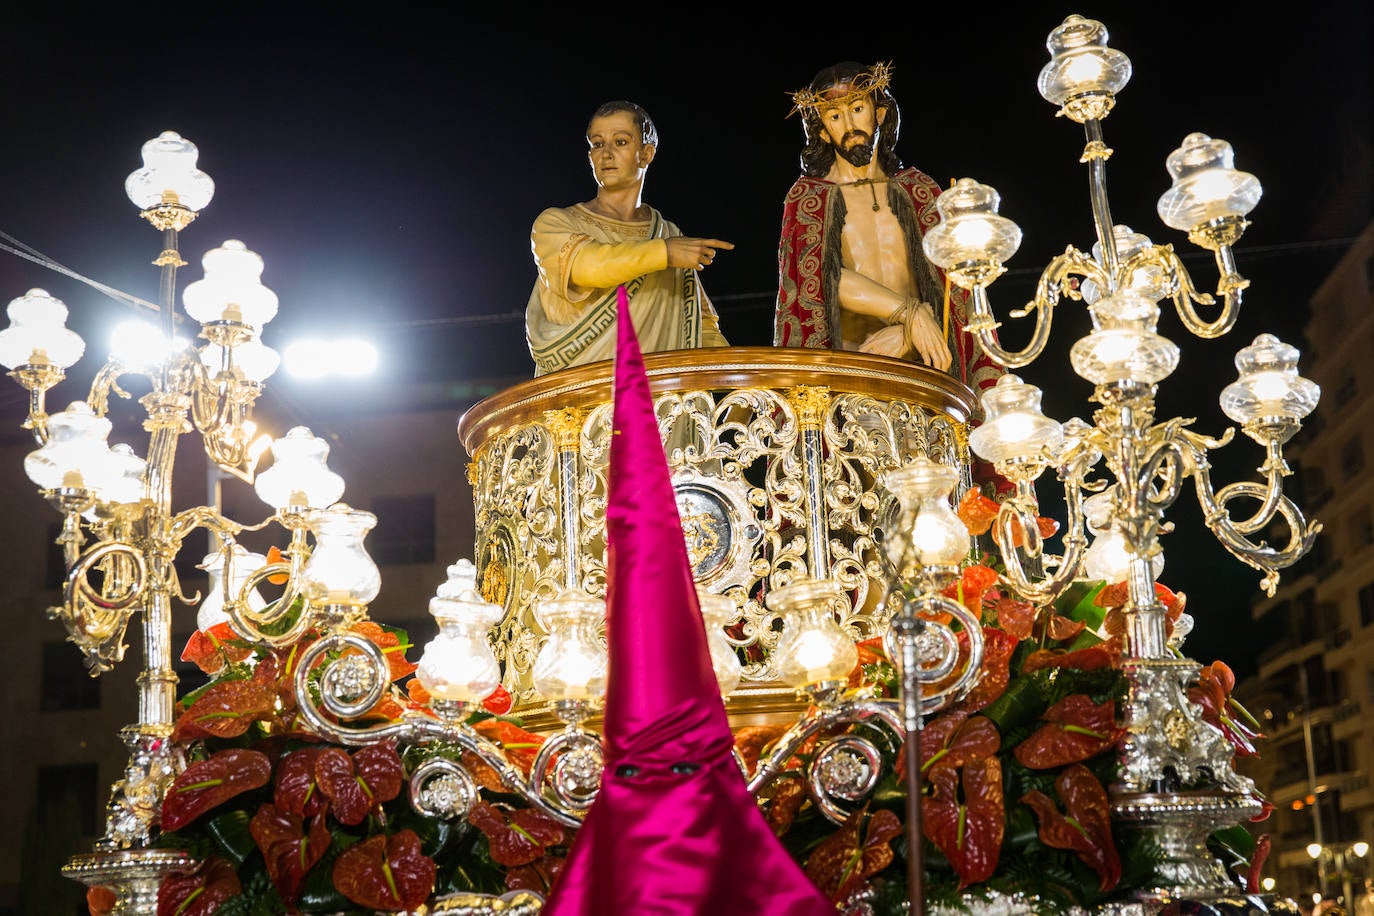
19, 249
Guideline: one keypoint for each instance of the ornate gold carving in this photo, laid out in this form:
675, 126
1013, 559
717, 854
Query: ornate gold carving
810, 403
750, 441
565, 426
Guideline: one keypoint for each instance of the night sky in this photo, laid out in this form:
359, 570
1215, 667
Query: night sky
388, 166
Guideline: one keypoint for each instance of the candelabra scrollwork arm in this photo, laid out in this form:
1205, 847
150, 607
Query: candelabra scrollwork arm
1017, 519
352, 676
1176, 283
844, 769
96, 616
107, 380
1233, 534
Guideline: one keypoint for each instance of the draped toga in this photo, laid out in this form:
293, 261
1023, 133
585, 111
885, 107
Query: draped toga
567, 326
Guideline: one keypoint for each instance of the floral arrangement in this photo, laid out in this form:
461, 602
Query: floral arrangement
1013, 781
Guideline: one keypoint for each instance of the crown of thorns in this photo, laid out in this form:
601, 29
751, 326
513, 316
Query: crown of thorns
870, 82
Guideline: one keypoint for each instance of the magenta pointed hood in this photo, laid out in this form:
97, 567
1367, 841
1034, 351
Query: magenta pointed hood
674, 830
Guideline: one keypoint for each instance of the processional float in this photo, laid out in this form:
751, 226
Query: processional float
815, 491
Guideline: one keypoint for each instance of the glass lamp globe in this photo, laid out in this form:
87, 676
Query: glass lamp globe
76, 455
1108, 557
38, 333
1269, 386
1123, 345
458, 664
970, 231
339, 571
717, 612
813, 648
298, 476
1147, 280
231, 289
571, 665
1081, 63
1013, 427
169, 175
1206, 186
927, 531
126, 484
253, 360
241, 564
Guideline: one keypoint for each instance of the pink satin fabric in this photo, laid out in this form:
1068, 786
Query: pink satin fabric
673, 830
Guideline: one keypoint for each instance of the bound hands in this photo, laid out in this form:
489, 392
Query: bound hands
916, 329
693, 253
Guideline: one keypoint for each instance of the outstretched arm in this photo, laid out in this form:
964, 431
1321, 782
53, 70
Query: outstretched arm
693, 253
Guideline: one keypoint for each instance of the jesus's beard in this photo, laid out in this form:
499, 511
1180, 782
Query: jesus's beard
857, 154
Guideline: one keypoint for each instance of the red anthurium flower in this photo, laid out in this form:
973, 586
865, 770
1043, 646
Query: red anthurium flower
101, 900
844, 861
389, 707
1212, 693
201, 892
358, 784
212, 649
288, 850
1046, 526
208, 783
995, 671
1114, 598
968, 833
520, 746
295, 790
977, 512
1075, 729
973, 582
390, 644
275, 556
1063, 629
871, 652
500, 701
225, 710
1089, 658
516, 837
752, 740
386, 873
785, 800
1263, 843
954, 741
1087, 828
1016, 617
536, 876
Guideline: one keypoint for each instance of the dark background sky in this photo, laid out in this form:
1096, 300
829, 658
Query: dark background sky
387, 163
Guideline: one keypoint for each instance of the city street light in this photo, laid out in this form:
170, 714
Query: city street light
1340, 857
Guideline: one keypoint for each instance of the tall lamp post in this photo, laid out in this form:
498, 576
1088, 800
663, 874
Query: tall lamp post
1340, 857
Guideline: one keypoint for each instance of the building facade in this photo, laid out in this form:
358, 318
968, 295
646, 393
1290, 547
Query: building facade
1314, 689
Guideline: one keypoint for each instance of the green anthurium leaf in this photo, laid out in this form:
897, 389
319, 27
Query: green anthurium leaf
318, 893
1021, 703
1078, 603
890, 793
1235, 839
435, 833
231, 834
286, 621
1021, 827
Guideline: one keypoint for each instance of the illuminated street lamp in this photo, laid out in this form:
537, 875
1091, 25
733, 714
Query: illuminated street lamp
1340, 857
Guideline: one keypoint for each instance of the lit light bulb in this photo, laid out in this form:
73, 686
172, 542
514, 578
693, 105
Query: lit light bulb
571, 665
717, 611
458, 665
813, 649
